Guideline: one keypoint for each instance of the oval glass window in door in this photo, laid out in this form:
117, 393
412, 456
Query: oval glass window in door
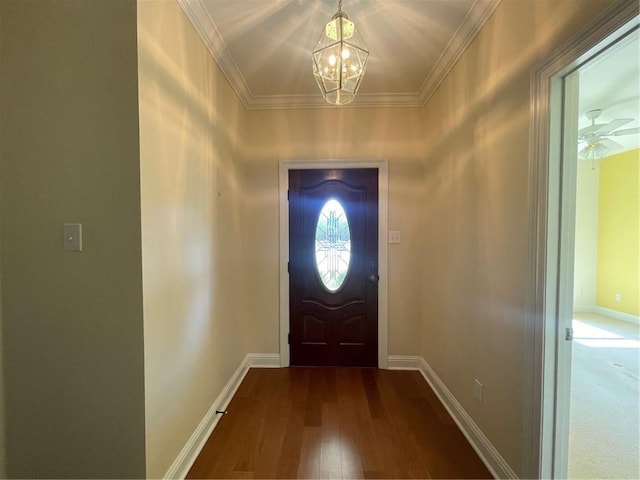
333, 245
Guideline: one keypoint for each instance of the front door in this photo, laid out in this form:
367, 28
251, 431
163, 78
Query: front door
333, 267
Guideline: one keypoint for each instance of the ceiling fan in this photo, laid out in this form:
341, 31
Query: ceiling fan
596, 136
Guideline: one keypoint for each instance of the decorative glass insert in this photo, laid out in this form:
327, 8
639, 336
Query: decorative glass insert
333, 245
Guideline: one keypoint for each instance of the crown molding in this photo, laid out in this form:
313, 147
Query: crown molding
199, 17
272, 102
476, 17
204, 25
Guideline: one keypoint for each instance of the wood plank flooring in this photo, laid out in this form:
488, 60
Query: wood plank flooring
336, 423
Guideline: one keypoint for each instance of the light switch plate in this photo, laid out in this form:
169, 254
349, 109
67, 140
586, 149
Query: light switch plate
395, 237
72, 237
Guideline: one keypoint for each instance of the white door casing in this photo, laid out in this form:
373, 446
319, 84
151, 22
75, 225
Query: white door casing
552, 186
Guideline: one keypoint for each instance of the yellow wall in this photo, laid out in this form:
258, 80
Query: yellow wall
192, 204
619, 233
72, 322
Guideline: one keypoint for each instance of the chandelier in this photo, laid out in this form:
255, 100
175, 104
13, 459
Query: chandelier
339, 59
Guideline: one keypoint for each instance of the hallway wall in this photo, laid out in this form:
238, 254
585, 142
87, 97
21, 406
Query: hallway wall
195, 328
72, 322
333, 133
475, 206
3, 446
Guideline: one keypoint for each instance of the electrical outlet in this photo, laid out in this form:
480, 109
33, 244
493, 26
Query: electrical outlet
477, 390
618, 297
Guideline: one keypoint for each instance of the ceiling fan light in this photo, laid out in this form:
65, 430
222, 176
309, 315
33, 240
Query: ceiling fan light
596, 136
339, 60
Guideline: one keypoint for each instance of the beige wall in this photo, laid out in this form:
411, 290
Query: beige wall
475, 208
3, 468
73, 352
333, 133
192, 243
3, 472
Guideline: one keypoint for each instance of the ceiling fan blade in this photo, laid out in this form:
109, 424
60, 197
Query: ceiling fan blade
610, 144
590, 129
626, 131
613, 125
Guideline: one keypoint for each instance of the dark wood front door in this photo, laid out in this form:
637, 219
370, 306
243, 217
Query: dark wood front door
333, 267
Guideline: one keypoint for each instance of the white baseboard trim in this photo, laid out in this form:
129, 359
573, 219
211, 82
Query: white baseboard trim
497, 465
625, 317
191, 450
263, 360
404, 362
607, 312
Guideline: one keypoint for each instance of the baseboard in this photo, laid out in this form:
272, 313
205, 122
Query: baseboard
263, 360
404, 362
497, 465
607, 312
625, 317
191, 450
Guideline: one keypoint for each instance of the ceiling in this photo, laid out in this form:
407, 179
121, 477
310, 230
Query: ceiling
264, 46
611, 83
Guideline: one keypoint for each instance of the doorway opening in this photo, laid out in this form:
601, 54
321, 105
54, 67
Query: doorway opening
381, 168
556, 135
604, 402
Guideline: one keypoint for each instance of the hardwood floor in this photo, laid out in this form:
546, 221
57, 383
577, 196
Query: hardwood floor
336, 423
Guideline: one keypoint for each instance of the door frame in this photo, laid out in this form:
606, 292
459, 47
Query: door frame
546, 374
383, 208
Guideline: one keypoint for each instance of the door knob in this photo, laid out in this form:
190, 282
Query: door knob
373, 278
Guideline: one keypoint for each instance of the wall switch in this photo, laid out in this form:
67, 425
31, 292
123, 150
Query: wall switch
72, 237
477, 390
395, 237
618, 297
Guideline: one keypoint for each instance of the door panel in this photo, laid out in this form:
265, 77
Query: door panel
334, 307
